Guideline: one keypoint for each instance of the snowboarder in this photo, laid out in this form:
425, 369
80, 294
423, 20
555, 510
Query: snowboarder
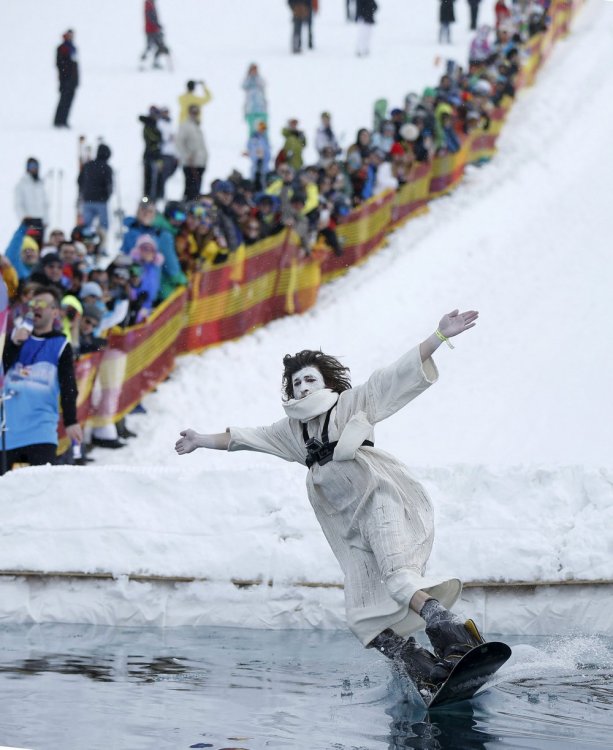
155, 36
68, 73
376, 517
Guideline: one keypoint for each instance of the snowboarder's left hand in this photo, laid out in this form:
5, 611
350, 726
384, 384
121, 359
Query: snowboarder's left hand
456, 322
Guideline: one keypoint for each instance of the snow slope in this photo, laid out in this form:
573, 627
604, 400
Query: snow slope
513, 442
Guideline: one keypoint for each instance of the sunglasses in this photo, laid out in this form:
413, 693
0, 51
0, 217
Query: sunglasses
90, 322
39, 304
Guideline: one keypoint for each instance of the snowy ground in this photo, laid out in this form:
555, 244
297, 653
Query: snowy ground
513, 442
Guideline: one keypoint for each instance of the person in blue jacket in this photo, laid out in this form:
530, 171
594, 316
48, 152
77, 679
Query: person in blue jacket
38, 361
258, 150
23, 252
144, 223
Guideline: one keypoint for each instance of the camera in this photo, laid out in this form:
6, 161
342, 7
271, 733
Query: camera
319, 452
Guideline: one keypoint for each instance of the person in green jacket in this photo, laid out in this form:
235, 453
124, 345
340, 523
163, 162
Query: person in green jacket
295, 143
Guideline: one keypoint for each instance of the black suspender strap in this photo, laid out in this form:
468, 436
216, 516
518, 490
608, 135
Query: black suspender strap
322, 451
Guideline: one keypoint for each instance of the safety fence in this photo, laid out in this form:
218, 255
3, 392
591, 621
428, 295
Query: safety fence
272, 278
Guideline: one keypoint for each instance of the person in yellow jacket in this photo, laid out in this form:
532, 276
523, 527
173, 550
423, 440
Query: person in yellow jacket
9, 275
71, 312
189, 98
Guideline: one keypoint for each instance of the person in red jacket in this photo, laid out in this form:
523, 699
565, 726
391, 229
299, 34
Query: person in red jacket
502, 13
155, 35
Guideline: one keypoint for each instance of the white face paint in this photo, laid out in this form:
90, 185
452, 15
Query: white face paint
306, 381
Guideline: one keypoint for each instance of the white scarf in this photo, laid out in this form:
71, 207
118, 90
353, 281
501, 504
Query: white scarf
311, 406
357, 429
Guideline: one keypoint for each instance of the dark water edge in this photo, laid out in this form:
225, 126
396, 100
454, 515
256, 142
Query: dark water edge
69, 687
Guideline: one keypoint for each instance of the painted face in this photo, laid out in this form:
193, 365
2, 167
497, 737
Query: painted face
306, 381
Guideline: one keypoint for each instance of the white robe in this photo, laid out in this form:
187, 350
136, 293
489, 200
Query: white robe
377, 519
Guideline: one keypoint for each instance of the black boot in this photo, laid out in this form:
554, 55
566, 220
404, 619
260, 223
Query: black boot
450, 637
426, 671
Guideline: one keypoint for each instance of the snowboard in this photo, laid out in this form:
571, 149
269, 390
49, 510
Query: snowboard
472, 672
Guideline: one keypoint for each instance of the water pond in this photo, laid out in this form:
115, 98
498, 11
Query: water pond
70, 687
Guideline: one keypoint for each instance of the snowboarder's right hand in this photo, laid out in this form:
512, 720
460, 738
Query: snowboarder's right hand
187, 443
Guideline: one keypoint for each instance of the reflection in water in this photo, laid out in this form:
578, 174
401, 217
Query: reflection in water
452, 728
100, 669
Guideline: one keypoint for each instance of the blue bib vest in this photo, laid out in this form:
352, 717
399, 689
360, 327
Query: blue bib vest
32, 383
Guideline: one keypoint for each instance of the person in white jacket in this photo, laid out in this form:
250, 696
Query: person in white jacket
31, 201
192, 152
377, 519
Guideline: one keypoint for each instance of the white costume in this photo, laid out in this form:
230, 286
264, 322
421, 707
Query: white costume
377, 519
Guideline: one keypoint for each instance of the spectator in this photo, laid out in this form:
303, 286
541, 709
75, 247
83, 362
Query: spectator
143, 223
39, 368
87, 244
283, 187
31, 202
152, 155
386, 137
445, 138
480, 48
71, 311
92, 294
258, 149
145, 253
192, 153
252, 230
68, 72
56, 237
23, 253
294, 218
301, 13
229, 234
398, 117
358, 151
189, 99
95, 188
168, 148
325, 140
20, 305
186, 243
9, 276
90, 320
256, 107
446, 18
365, 18
154, 34
375, 159
50, 274
294, 145
269, 214
474, 13
69, 257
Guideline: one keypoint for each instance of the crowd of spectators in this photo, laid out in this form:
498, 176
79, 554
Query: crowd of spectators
166, 241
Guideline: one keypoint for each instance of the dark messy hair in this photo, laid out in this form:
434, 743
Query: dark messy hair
335, 375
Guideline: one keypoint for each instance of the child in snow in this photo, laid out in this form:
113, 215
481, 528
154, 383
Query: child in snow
376, 517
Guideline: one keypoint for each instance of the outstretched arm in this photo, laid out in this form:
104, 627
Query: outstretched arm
190, 440
450, 325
